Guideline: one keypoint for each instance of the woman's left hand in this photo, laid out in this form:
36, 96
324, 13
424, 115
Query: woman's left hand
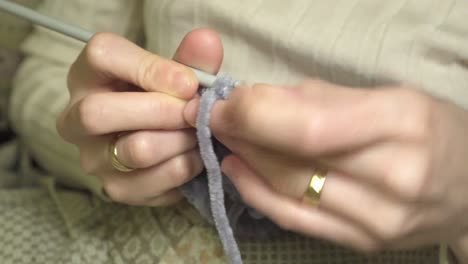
396, 157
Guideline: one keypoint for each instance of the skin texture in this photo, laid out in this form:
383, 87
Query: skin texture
118, 89
396, 157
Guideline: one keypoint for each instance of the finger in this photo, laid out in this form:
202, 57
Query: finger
109, 112
295, 121
285, 175
420, 239
385, 217
144, 149
191, 111
169, 198
201, 49
141, 149
353, 199
400, 169
108, 57
138, 186
345, 138
291, 214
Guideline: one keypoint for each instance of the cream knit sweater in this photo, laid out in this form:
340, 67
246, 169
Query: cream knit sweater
352, 42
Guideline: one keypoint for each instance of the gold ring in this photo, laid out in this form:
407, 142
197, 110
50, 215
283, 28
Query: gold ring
114, 158
315, 187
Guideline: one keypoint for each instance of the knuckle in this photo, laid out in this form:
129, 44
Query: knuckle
88, 163
96, 52
90, 111
421, 177
147, 70
234, 117
158, 107
179, 171
393, 228
139, 150
150, 70
116, 192
410, 177
251, 105
419, 124
309, 135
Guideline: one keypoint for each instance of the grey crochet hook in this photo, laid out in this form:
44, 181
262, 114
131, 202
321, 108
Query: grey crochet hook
205, 79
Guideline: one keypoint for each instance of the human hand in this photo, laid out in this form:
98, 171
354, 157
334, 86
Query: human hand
117, 89
396, 158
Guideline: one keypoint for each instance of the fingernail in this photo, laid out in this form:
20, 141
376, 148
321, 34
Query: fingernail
191, 110
184, 83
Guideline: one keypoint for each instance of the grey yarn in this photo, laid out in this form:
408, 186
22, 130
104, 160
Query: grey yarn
220, 90
207, 191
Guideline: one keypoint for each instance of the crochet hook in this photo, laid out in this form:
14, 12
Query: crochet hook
205, 79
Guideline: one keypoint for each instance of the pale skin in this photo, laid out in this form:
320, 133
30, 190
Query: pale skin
396, 157
118, 88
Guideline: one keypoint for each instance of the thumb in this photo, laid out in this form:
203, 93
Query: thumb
201, 49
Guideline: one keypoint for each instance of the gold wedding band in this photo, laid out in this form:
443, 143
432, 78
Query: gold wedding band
114, 157
315, 187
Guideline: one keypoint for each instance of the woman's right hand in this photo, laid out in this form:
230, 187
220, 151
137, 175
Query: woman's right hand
122, 93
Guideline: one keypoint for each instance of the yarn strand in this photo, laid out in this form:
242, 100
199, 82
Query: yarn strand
220, 90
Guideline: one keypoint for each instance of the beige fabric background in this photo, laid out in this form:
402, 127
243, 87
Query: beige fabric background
12, 32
